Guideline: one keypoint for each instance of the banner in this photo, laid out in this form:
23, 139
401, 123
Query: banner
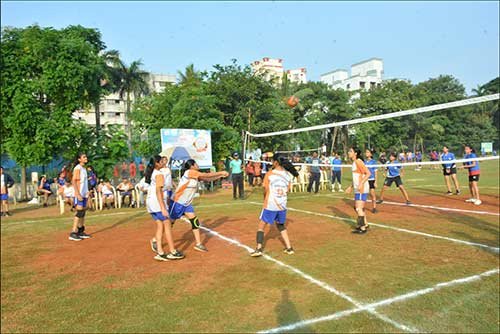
183, 144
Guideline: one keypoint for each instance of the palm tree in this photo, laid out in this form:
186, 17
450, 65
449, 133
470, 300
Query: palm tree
479, 91
131, 80
190, 76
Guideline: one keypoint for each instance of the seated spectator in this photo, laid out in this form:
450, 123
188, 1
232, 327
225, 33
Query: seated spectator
68, 194
108, 199
125, 188
44, 189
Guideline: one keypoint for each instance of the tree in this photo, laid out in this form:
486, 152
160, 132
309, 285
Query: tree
47, 74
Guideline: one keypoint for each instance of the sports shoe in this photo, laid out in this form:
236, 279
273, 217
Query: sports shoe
409, 203
289, 251
200, 248
478, 202
458, 192
8, 214
449, 193
470, 200
256, 252
154, 246
175, 255
359, 231
74, 236
379, 201
82, 234
333, 190
374, 210
340, 190
161, 257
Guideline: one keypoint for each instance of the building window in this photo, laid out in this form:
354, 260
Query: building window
102, 114
361, 84
117, 114
162, 84
348, 86
373, 84
117, 101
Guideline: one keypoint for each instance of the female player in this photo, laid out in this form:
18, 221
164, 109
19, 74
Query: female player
81, 187
156, 207
449, 169
394, 171
372, 180
277, 182
184, 194
360, 176
474, 171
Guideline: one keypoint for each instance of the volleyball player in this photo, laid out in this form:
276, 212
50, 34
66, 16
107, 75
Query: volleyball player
360, 176
156, 207
474, 171
394, 172
276, 183
184, 194
81, 192
372, 180
449, 169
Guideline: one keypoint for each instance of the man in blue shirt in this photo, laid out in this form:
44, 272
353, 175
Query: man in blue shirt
336, 172
315, 173
449, 169
394, 171
237, 175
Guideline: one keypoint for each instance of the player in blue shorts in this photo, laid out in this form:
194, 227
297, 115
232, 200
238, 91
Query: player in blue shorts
81, 186
449, 169
394, 171
277, 183
372, 180
474, 172
360, 176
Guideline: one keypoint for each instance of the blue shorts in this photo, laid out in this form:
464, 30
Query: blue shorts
4, 197
158, 216
269, 217
360, 197
177, 210
82, 203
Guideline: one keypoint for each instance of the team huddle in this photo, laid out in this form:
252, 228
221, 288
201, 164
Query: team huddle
167, 202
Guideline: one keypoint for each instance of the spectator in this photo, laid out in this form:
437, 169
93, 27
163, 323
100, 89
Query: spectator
68, 194
257, 168
125, 188
237, 175
44, 189
315, 173
141, 169
108, 198
6, 182
92, 177
132, 170
116, 173
382, 158
336, 172
124, 170
249, 171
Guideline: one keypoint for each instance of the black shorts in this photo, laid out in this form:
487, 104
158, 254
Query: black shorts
389, 180
474, 178
449, 171
372, 184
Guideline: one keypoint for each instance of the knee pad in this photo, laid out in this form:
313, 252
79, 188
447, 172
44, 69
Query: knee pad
80, 213
281, 227
260, 237
195, 224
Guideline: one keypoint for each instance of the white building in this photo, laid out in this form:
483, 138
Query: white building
364, 75
298, 76
112, 108
270, 68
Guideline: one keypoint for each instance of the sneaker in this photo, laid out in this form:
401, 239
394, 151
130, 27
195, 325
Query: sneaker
478, 202
360, 231
82, 234
154, 246
8, 214
333, 190
256, 252
289, 251
201, 248
470, 200
379, 201
458, 192
45, 205
74, 236
374, 210
449, 193
161, 257
340, 190
175, 255
409, 203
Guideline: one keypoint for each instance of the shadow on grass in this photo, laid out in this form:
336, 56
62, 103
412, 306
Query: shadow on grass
120, 222
287, 313
342, 214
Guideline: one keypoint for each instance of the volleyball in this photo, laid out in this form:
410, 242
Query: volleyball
292, 101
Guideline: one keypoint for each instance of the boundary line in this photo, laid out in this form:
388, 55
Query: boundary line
384, 302
315, 281
469, 243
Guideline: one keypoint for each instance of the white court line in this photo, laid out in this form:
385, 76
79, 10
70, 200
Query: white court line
5, 223
494, 249
404, 297
444, 209
314, 281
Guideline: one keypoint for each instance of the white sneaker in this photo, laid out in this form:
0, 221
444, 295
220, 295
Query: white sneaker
470, 200
477, 202
340, 190
333, 190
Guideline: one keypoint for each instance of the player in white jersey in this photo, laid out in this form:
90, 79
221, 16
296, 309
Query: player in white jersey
80, 184
184, 194
167, 174
360, 176
277, 183
157, 208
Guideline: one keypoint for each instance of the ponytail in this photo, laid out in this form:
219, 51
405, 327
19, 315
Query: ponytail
286, 164
358, 153
187, 166
151, 166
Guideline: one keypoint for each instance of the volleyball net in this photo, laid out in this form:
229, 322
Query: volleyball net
418, 151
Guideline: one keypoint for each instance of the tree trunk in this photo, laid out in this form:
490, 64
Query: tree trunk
23, 184
97, 118
334, 137
346, 140
129, 130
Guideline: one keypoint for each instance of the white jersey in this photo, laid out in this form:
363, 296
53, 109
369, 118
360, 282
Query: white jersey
277, 184
187, 188
167, 174
106, 190
358, 171
69, 191
84, 181
152, 201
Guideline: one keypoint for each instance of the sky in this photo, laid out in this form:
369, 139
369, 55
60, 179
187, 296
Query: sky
416, 40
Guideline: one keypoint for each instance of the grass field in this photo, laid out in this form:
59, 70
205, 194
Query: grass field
420, 268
